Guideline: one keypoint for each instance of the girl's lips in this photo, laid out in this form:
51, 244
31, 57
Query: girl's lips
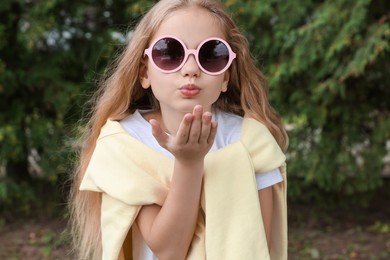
190, 90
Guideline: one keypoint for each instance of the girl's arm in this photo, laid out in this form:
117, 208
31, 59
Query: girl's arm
266, 205
168, 230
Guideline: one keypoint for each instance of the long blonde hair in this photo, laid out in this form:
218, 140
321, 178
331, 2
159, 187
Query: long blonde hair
121, 93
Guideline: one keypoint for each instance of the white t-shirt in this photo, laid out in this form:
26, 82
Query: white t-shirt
229, 130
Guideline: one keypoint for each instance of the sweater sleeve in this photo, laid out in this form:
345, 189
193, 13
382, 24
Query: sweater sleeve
267, 155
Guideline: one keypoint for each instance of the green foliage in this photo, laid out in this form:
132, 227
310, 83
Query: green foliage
379, 227
328, 68
51, 54
327, 64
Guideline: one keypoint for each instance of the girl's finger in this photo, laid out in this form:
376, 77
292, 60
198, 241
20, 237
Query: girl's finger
183, 132
196, 126
206, 127
213, 132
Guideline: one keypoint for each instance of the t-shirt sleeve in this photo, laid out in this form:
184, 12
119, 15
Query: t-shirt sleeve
267, 179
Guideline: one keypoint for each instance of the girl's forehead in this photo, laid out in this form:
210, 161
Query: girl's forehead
191, 24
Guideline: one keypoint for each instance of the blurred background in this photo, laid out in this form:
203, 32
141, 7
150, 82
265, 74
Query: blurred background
328, 67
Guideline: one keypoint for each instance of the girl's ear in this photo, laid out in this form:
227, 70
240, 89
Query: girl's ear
143, 76
225, 82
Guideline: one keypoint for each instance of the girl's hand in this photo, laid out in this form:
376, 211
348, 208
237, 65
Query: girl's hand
193, 139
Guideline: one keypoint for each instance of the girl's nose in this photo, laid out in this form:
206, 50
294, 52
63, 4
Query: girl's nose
190, 67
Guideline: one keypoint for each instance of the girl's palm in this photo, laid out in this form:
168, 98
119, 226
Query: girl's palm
194, 138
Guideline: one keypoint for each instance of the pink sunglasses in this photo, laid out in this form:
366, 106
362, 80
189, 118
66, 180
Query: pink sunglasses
169, 54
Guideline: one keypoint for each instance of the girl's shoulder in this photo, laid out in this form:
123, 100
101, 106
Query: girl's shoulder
228, 121
229, 128
135, 124
227, 117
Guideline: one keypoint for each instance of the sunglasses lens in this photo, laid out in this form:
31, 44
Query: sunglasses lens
168, 54
214, 56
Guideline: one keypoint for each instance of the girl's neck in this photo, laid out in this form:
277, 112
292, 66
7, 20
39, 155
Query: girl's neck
170, 120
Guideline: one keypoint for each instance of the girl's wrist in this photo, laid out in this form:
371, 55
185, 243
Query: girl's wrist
190, 165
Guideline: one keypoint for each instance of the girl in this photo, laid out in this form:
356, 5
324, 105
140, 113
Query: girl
183, 154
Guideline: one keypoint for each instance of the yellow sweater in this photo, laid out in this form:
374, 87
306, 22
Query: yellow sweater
129, 175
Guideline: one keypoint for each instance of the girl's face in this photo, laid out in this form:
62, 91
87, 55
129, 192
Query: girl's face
180, 91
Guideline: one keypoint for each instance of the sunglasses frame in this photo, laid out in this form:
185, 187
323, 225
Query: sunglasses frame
187, 52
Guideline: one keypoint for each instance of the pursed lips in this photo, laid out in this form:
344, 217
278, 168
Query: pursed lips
190, 90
